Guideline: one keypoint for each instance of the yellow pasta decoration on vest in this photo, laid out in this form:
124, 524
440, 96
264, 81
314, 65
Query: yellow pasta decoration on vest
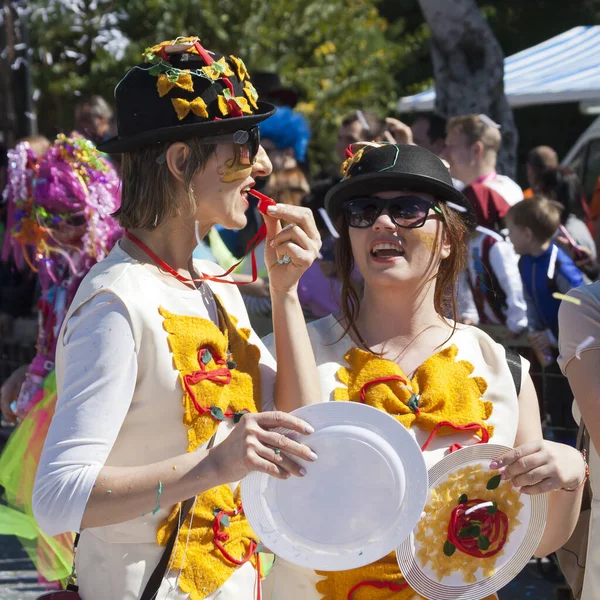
442, 390
220, 378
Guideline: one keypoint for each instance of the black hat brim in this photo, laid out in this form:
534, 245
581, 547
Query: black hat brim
371, 183
179, 133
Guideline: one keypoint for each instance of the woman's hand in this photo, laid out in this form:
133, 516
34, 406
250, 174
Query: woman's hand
542, 466
9, 392
540, 340
252, 445
299, 240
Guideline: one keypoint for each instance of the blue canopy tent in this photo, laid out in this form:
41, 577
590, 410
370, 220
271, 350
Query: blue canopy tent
565, 68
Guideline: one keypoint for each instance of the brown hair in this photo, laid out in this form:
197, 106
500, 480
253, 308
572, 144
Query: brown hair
149, 192
541, 215
446, 276
476, 130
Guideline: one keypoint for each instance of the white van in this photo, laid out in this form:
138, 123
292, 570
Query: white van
584, 158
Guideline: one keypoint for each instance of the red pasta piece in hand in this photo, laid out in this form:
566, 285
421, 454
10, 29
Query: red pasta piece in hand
263, 202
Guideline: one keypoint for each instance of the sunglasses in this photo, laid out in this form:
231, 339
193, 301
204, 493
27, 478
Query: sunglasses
408, 212
246, 140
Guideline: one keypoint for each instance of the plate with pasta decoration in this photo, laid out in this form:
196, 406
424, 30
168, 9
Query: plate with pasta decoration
477, 532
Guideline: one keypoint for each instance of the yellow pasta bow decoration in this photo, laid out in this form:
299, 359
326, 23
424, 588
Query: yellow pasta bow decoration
218, 69
442, 389
240, 101
251, 94
183, 107
164, 85
240, 66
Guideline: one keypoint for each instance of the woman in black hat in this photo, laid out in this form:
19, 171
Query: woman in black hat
396, 346
165, 392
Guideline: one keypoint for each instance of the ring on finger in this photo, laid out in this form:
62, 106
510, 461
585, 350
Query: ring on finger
277, 451
286, 260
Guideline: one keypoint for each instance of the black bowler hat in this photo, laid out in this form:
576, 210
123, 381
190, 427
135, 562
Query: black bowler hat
182, 90
270, 87
381, 167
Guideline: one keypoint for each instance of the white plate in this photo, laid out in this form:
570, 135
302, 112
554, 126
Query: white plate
357, 502
517, 552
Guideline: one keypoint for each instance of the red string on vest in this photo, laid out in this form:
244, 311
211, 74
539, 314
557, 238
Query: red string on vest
366, 386
493, 527
380, 585
250, 248
485, 434
221, 536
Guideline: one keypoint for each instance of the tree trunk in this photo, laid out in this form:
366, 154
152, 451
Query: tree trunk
468, 66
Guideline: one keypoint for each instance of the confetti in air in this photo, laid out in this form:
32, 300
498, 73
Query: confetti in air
456, 207
566, 298
489, 232
552, 262
588, 340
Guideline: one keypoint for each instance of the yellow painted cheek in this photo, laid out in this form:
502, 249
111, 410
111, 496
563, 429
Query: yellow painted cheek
235, 171
427, 239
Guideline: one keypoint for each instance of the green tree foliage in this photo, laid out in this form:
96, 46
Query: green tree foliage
335, 53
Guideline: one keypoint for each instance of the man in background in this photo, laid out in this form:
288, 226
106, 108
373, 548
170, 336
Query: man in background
472, 145
539, 159
429, 132
359, 126
93, 118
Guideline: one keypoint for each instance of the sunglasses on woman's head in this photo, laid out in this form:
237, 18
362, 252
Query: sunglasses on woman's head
246, 140
408, 212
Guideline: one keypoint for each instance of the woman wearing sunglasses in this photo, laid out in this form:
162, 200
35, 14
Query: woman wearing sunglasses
166, 397
396, 346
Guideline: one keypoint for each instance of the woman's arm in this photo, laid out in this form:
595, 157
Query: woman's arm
537, 466
578, 323
297, 382
74, 489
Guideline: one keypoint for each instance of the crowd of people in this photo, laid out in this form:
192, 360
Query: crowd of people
155, 269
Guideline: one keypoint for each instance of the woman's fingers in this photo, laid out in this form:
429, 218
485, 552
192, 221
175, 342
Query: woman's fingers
282, 442
532, 477
298, 215
283, 462
293, 233
516, 454
264, 465
547, 485
277, 418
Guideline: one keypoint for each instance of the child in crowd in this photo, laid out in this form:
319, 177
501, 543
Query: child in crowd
545, 269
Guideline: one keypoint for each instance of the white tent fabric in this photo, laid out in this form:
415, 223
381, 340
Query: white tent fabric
565, 68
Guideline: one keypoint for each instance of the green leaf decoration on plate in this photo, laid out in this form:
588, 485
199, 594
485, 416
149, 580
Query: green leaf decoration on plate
226, 93
469, 531
463, 499
217, 413
483, 543
494, 482
206, 356
218, 67
172, 76
225, 521
492, 510
449, 548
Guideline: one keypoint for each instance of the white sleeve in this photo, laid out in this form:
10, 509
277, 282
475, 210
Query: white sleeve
505, 264
99, 377
467, 308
